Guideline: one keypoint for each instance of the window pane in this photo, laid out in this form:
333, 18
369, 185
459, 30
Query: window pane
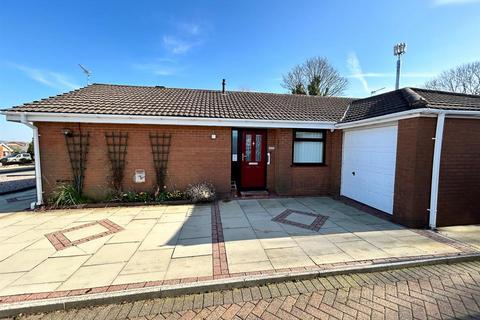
308, 152
234, 144
248, 147
309, 134
258, 148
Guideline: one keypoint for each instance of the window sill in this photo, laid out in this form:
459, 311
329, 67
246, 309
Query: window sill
308, 165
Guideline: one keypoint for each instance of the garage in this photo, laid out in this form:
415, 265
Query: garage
368, 166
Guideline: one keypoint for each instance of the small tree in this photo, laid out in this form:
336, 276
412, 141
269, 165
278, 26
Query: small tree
30, 149
318, 76
462, 79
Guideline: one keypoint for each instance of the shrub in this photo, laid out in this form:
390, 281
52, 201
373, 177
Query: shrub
132, 196
174, 195
201, 192
65, 195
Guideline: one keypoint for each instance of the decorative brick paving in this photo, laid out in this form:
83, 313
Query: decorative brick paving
430, 292
60, 241
220, 263
315, 225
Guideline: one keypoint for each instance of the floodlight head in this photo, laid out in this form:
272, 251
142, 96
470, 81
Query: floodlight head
399, 49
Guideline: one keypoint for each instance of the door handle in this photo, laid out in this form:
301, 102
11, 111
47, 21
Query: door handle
268, 158
353, 173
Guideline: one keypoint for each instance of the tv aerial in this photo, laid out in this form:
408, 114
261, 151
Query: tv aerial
87, 72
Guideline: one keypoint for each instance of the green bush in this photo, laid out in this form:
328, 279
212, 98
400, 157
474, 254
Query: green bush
65, 195
132, 196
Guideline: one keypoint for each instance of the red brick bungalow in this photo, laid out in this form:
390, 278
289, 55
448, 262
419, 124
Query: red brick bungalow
411, 153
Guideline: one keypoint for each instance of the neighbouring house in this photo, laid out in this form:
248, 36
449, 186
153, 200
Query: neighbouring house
5, 150
18, 146
411, 153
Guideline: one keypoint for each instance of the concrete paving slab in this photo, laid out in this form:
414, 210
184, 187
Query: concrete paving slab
8, 278
250, 266
139, 277
24, 260
199, 266
288, 258
193, 247
113, 252
85, 232
148, 261
52, 270
30, 288
245, 251
92, 276
162, 236
300, 218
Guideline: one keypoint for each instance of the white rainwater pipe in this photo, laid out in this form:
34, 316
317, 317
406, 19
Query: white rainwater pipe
437, 154
38, 168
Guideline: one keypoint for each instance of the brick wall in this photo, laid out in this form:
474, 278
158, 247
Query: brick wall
413, 171
459, 188
193, 156
287, 179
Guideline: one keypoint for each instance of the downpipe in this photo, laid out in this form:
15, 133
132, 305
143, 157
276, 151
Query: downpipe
38, 168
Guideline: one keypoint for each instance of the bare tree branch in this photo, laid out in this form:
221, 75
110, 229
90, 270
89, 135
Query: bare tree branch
317, 76
463, 79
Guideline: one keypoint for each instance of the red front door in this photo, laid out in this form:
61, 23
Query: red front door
253, 161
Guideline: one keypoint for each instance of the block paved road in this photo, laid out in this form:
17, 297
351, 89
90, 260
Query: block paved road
429, 292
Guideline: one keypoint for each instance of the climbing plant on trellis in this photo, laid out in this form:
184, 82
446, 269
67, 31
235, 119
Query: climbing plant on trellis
77, 146
160, 143
117, 150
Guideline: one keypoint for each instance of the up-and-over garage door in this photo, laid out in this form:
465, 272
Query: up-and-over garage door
368, 166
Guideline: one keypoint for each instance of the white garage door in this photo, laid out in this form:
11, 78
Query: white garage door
368, 166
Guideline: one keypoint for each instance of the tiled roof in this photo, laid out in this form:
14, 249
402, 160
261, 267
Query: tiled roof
407, 99
160, 101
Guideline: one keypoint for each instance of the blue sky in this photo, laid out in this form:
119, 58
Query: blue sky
251, 43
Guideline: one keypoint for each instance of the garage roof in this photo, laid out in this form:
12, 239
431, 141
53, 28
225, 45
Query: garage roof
407, 99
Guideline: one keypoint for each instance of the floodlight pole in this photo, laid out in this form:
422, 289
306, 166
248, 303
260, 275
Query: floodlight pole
398, 50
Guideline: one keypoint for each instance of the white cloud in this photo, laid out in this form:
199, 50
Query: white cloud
49, 78
438, 3
356, 71
177, 45
190, 28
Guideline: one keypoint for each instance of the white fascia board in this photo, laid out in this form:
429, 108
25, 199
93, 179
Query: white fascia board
421, 112
381, 119
159, 120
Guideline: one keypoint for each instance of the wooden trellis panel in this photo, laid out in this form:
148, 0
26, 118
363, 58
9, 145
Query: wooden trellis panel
160, 143
77, 146
117, 150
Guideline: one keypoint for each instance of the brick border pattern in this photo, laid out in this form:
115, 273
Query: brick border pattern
315, 225
60, 241
219, 254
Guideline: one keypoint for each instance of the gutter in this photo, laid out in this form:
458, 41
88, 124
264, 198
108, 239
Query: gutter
38, 168
161, 120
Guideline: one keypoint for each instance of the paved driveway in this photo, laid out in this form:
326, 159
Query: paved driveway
94, 250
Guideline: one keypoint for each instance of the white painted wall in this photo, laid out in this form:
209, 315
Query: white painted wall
371, 154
